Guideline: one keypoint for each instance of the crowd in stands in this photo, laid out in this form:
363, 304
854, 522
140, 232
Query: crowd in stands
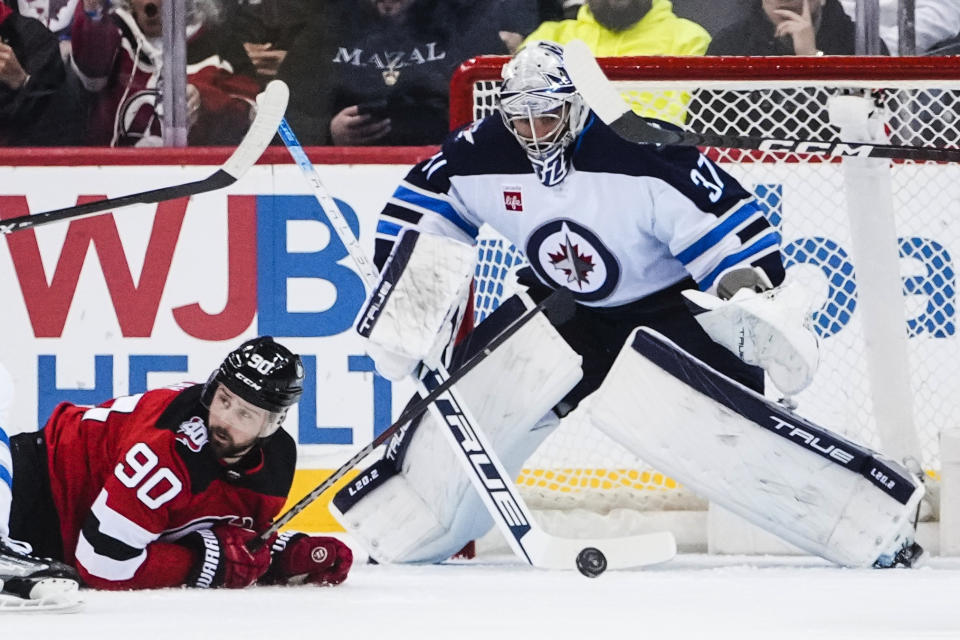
363, 72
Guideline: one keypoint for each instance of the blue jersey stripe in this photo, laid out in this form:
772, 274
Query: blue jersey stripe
767, 241
388, 228
3, 437
6, 478
718, 233
436, 205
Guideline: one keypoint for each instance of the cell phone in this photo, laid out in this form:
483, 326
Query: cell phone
375, 108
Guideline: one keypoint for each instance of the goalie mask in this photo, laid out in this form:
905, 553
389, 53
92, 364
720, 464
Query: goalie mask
541, 107
264, 374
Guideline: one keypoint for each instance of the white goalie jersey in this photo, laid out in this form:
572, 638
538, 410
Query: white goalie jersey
627, 221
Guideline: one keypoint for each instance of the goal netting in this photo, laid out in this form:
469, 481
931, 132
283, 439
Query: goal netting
882, 292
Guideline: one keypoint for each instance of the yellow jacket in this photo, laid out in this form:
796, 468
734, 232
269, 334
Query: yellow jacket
660, 32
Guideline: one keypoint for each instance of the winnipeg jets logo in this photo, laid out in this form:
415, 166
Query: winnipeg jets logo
192, 434
572, 263
570, 255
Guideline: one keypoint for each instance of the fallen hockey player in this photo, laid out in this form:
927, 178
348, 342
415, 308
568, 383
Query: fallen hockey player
160, 489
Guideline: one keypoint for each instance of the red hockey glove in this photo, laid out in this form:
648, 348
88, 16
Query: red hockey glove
299, 558
223, 559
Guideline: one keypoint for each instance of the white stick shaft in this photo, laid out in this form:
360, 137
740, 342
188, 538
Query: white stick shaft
367, 271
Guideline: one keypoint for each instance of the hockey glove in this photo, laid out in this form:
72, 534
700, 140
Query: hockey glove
763, 326
223, 559
299, 558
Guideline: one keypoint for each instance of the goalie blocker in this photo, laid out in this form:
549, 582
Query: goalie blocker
815, 489
416, 309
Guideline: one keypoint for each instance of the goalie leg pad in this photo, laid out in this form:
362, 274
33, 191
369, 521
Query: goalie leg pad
416, 503
814, 488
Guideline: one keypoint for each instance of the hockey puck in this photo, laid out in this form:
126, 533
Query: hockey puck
591, 562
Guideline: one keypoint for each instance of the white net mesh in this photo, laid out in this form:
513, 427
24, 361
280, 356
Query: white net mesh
806, 199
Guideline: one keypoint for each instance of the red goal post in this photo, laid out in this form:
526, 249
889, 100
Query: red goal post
878, 255
837, 70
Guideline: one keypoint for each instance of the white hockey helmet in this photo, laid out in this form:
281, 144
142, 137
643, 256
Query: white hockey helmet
536, 87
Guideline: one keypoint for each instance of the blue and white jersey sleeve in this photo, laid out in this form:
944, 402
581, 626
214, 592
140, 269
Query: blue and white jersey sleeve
424, 200
712, 224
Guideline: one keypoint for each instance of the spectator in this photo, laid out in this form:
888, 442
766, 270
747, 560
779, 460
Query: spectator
118, 56
56, 15
634, 28
628, 28
259, 33
934, 22
36, 105
776, 28
512, 20
558, 9
383, 76
786, 28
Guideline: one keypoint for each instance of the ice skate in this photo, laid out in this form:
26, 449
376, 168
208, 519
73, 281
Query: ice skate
31, 583
909, 554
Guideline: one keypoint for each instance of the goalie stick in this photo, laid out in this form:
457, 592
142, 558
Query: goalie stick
271, 105
603, 98
481, 463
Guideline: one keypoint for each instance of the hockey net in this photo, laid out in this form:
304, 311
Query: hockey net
808, 199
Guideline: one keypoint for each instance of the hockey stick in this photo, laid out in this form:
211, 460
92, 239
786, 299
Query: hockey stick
552, 304
476, 455
606, 102
272, 104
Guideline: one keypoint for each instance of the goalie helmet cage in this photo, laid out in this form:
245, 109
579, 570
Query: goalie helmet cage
892, 385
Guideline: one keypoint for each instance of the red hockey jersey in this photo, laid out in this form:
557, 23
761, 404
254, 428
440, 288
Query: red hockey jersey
133, 475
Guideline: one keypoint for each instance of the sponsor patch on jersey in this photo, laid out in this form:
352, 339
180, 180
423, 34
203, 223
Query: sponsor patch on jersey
192, 434
570, 255
513, 199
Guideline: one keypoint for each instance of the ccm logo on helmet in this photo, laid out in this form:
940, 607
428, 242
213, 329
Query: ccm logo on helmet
247, 381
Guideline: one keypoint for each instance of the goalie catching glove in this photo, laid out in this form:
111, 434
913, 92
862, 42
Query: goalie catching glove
414, 312
299, 558
763, 325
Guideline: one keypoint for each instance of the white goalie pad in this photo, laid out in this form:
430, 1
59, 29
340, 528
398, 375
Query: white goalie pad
411, 313
809, 486
768, 329
416, 504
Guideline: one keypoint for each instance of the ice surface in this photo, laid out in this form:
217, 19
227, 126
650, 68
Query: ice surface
693, 596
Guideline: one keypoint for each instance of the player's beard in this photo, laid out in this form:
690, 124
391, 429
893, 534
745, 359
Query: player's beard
223, 445
619, 15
